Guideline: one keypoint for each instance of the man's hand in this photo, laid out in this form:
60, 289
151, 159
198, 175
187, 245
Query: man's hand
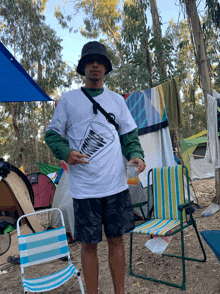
140, 162
75, 157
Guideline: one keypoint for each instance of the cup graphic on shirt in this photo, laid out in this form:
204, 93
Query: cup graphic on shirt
97, 138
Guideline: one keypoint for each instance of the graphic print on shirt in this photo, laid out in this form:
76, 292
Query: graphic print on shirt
97, 138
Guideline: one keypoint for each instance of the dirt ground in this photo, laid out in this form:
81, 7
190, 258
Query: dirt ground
201, 278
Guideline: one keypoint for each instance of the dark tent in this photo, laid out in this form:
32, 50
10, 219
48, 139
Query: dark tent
44, 189
15, 83
16, 197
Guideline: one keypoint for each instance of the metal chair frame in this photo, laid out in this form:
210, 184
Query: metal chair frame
183, 224
42, 247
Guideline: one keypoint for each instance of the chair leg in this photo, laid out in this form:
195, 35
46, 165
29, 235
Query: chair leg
80, 283
181, 286
182, 256
201, 246
200, 242
130, 262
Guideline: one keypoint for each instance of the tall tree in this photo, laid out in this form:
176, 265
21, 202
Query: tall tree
39, 51
213, 9
201, 58
199, 45
162, 67
102, 20
136, 34
158, 40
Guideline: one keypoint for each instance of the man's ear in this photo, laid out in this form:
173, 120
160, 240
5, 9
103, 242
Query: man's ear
83, 68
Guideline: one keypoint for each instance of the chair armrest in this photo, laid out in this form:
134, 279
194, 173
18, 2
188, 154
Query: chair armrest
140, 204
185, 205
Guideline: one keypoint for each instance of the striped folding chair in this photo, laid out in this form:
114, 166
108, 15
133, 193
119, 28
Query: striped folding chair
172, 214
43, 247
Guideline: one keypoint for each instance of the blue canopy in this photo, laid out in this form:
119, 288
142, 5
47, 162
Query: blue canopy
15, 83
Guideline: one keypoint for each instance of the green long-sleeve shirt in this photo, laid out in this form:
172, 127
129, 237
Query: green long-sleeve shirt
130, 145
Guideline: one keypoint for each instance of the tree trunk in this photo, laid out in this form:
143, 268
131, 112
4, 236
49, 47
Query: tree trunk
40, 75
176, 144
12, 107
45, 127
35, 134
161, 64
201, 58
185, 93
199, 45
148, 63
158, 34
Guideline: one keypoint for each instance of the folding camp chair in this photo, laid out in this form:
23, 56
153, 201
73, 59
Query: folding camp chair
171, 214
42, 247
212, 238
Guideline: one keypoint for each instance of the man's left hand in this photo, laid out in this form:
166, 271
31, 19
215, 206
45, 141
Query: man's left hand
140, 162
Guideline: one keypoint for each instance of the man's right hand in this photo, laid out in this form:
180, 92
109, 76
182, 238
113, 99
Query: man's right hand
75, 157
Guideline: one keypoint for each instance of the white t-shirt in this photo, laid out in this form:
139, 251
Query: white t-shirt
91, 134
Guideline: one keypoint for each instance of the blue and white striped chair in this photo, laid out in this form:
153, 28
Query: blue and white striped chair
42, 247
170, 216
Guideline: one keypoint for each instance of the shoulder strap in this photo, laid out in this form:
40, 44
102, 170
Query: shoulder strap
96, 106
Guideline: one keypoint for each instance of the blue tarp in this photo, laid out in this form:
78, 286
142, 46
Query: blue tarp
15, 83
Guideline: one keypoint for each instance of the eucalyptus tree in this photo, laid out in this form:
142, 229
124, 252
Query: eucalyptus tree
199, 44
212, 42
38, 49
157, 33
213, 10
102, 22
201, 56
135, 35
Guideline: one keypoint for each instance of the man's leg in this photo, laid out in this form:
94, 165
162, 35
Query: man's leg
89, 261
88, 231
117, 263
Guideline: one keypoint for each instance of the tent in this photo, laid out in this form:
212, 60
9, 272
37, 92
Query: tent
48, 168
16, 84
44, 189
15, 192
193, 153
16, 197
64, 202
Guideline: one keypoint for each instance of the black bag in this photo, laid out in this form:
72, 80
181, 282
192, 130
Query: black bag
96, 106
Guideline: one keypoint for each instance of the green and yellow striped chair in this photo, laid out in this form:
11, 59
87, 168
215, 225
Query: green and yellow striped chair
170, 216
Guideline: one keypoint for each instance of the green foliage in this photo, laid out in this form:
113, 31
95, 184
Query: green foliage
38, 49
134, 49
198, 118
213, 9
184, 66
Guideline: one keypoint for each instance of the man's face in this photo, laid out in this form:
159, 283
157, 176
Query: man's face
95, 68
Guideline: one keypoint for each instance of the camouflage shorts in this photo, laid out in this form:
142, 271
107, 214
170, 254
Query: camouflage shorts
114, 212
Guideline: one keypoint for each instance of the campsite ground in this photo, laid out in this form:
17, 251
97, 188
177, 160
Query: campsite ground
201, 278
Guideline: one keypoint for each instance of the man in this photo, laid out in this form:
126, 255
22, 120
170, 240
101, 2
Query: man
97, 180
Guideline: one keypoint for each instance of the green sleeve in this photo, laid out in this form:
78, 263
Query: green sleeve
58, 145
131, 147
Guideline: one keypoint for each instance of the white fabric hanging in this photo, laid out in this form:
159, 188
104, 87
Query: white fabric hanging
158, 151
212, 152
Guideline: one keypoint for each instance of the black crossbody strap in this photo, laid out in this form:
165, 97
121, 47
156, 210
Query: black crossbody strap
96, 106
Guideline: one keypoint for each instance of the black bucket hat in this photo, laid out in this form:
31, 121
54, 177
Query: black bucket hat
90, 49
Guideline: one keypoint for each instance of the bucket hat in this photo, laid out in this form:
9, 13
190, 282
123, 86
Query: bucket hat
90, 49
